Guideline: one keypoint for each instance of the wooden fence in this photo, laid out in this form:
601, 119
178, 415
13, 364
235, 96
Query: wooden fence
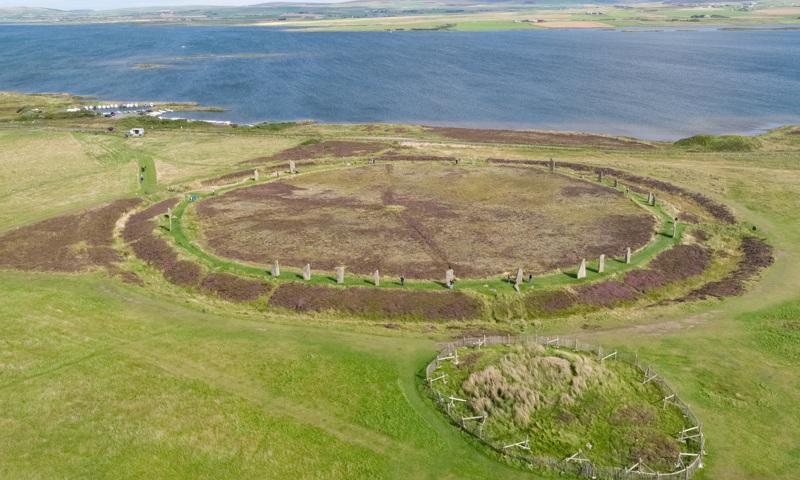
578, 464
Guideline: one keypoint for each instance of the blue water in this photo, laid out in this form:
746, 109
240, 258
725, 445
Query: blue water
661, 85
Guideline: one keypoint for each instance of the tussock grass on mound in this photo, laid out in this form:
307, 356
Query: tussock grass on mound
720, 143
563, 401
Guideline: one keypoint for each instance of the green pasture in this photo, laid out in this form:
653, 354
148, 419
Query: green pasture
101, 379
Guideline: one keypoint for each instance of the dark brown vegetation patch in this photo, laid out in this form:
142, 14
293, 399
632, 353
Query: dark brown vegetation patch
156, 251
183, 273
404, 157
717, 210
329, 148
66, 243
233, 288
681, 262
549, 301
229, 178
371, 302
645, 280
539, 138
757, 255
605, 294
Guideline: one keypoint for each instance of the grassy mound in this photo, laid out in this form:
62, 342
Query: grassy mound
720, 143
565, 401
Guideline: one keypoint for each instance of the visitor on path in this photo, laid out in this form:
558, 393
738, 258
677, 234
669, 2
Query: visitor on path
509, 278
530, 278
452, 283
402, 280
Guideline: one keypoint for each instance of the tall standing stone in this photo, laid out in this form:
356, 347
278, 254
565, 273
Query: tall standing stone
377, 277
600, 176
449, 276
616, 183
292, 168
255, 175
674, 229
628, 255
601, 267
340, 275
169, 215
654, 200
552, 166
519, 277
307, 272
276, 269
582, 270
649, 197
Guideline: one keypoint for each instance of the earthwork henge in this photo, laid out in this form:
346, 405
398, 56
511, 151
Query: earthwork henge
307, 272
340, 275
276, 269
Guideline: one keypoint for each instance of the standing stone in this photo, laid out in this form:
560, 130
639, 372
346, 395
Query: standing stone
449, 276
516, 287
255, 175
628, 255
600, 176
340, 275
377, 277
474, 161
616, 183
654, 201
552, 166
582, 270
519, 277
307, 272
169, 215
649, 197
276, 269
292, 168
601, 267
674, 228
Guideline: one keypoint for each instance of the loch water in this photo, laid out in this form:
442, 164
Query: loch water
663, 84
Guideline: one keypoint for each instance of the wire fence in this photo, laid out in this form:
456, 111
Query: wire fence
577, 464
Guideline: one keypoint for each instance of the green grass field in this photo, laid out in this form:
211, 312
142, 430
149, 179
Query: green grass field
101, 379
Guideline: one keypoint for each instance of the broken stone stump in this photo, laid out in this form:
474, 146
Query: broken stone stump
340, 275
628, 255
276, 269
377, 277
307, 272
601, 267
519, 277
552, 166
582, 270
255, 175
449, 276
292, 168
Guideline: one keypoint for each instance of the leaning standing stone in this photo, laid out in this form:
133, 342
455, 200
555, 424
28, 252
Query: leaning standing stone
582, 270
307, 272
276, 269
340, 275
601, 267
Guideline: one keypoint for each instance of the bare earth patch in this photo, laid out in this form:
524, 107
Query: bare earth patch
416, 220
